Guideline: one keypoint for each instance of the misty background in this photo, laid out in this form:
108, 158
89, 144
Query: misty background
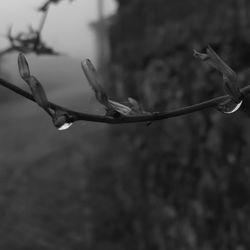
178, 184
67, 28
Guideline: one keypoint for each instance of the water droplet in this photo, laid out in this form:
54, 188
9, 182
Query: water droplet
61, 120
229, 106
65, 126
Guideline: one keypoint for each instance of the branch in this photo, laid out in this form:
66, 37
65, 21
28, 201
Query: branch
42, 22
79, 116
46, 5
117, 113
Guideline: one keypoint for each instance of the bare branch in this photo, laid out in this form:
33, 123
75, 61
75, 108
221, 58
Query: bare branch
46, 5
78, 116
43, 20
117, 113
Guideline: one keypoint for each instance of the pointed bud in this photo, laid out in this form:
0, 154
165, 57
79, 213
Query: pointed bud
199, 55
120, 108
100, 94
230, 83
135, 105
23, 67
220, 65
113, 108
38, 92
92, 77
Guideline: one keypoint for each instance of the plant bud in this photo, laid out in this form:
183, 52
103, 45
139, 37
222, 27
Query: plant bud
38, 92
92, 77
23, 66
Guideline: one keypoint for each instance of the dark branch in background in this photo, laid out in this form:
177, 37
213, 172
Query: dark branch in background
46, 5
31, 41
42, 22
116, 112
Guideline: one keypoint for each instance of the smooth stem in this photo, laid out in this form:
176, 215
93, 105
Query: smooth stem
78, 116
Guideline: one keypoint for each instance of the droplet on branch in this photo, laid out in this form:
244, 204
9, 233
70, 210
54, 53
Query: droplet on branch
230, 81
61, 120
229, 106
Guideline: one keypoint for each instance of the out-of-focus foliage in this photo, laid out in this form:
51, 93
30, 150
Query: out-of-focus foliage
182, 183
28, 42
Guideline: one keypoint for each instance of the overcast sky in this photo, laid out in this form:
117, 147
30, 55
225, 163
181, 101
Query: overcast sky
66, 28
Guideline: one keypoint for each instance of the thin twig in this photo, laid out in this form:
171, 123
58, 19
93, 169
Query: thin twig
44, 17
79, 116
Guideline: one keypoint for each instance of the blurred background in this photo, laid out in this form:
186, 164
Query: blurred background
179, 184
